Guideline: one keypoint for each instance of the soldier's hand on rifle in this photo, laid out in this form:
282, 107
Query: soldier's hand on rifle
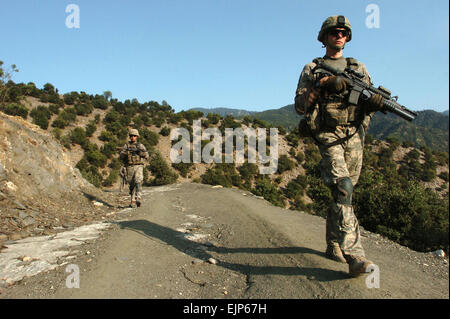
375, 103
334, 84
312, 96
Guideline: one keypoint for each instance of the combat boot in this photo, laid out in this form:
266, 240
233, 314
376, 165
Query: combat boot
334, 252
357, 265
138, 201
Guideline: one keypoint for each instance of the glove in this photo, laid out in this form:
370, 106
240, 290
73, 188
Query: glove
334, 84
312, 96
375, 103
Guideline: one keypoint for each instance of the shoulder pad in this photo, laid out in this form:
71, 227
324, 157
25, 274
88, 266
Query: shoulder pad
318, 60
351, 61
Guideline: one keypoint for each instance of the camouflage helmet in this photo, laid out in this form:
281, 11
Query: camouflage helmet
335, 22
133, 132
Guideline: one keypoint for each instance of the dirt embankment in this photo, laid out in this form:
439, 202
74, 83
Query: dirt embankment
40, 190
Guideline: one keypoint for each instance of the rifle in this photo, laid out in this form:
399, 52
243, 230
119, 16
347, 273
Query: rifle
123, 175
363, 91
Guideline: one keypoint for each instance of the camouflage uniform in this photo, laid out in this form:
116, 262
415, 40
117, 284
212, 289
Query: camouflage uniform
134, 154
339, 133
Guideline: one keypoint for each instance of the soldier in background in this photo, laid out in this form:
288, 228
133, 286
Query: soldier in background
338, 129
133, 154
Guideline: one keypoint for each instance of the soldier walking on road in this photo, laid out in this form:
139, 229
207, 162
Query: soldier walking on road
338, 128
133, 154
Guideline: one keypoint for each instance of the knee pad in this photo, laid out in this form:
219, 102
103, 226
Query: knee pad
343, 191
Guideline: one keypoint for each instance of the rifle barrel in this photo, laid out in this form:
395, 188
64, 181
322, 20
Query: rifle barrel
399, 110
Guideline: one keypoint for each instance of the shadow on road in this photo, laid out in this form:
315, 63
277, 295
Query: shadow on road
176, 239
91, 197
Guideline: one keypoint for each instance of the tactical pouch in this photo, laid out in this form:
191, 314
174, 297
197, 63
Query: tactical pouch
335, 113
310, 124
134, 159
303, 128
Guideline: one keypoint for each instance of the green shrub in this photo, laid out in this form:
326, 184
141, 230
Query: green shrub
293, 139
115, 164
57, 132
214, 176
191, 115
78, 136
285, 164
248, 170
165, 131
183, 168
368, 139
107, 136
15, 110
444, 176
93, 176
260, 123
95, 158
265, 188
112, 178
53, 108
405, 212
320, 194
84, 109
281, 130
162, 174
296, 187
66, 141
100, 102
67, 116
70, 98
213, 118
148, 138
41, 115
412, 155
109, 149
91, 128
300, 157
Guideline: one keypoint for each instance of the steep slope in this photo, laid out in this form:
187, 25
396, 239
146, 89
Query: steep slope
40, 191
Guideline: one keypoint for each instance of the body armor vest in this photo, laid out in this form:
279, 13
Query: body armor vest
334, 109
133, 155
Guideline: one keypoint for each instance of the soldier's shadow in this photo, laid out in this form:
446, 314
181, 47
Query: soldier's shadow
177, 240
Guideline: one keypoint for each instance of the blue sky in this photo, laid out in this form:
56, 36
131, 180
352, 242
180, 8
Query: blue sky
214, 53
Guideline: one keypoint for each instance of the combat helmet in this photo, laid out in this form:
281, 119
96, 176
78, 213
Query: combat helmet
335, 22
133, 131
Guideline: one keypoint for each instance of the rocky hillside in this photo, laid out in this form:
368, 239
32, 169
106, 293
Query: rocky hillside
40, 190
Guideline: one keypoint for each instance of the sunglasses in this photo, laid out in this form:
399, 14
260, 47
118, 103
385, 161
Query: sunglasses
336, 32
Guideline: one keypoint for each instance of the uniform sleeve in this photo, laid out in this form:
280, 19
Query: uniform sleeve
143, 151
362, 69
304, 85
367, 79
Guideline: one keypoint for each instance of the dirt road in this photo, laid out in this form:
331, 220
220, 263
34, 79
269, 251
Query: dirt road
197, 241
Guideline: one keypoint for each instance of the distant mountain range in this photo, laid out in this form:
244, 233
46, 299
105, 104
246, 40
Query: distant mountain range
223, 111
430, 128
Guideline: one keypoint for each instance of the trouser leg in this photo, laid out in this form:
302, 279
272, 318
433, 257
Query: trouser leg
131, 172
340, 168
